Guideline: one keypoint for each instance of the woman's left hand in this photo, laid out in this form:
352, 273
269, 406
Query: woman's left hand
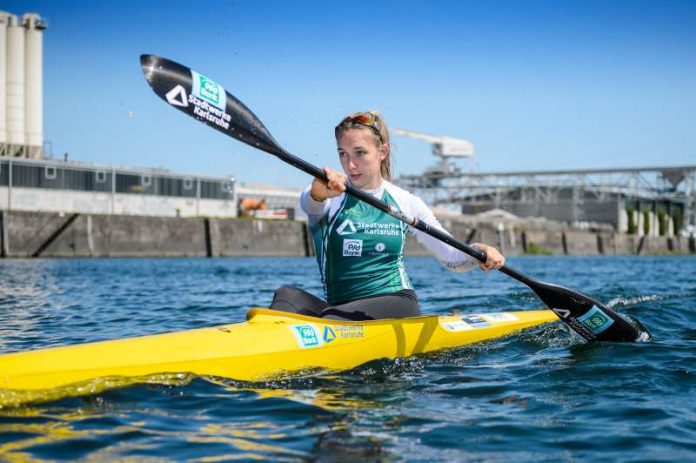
494, 260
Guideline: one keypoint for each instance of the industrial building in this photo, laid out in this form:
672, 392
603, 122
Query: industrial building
641, 200
21, 81
31, 181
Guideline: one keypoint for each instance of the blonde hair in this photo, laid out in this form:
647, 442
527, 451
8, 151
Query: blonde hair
373, 122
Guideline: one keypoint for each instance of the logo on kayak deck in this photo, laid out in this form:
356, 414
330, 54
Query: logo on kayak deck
500, 317
208, 90
352, 248
346, 228
329, 334
475, 321
455, 326
596, 320
306, 335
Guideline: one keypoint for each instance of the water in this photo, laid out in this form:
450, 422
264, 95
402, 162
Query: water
539, 396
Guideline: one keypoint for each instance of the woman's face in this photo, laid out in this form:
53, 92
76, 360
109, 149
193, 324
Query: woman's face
361, 158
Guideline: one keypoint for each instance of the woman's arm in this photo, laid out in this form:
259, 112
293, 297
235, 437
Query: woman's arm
453, 259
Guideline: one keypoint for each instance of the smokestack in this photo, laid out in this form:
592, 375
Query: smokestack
15, 87
4, 17
33, 75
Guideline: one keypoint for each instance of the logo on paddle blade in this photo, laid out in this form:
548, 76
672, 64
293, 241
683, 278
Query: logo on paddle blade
177, 97
208, 90
596, 320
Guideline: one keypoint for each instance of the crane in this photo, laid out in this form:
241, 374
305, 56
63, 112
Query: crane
443, 147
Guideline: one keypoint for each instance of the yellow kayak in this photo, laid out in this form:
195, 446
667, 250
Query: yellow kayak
270, 344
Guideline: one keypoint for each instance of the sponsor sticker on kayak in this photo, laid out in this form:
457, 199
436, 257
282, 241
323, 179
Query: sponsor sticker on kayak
476, 321
349, 331
307, 336
329, 334
455, 325
500, 317
473, 321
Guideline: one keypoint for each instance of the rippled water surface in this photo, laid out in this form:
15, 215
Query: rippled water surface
541, 395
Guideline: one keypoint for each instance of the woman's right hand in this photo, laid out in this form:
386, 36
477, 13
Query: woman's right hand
334, 187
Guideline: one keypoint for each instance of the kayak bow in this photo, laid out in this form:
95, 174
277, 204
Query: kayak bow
268, 345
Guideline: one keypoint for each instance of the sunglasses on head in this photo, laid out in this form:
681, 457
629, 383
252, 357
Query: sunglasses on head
364, 120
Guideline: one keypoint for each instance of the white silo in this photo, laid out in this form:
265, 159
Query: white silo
33, 74
15, 87
3, 80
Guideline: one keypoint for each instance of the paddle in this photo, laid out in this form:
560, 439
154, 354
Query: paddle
208, 102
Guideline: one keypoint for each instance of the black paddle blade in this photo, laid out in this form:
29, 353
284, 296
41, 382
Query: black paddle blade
207, 101
589, 318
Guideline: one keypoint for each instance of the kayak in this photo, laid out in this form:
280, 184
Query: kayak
268, 345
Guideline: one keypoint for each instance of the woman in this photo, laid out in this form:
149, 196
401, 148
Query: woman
360, 248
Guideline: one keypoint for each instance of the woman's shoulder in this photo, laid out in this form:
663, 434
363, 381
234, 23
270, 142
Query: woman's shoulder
403, 197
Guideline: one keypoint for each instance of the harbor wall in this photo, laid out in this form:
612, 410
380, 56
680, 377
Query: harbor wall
46, 234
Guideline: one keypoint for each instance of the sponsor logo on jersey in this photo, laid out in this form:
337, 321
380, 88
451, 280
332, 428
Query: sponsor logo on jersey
346, 228
380, 247
352, 248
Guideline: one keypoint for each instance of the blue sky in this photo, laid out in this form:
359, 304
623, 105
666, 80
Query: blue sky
533, 84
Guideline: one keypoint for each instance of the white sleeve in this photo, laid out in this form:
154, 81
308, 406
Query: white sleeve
453, 259
315, 210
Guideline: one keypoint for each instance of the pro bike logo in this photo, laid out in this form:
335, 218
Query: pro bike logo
346, 228
596, 320
352, 248
208, 90
307, 336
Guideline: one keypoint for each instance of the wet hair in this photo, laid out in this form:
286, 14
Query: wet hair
373, 122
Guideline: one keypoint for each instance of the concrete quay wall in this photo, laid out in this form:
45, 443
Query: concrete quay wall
44, 234
553, 238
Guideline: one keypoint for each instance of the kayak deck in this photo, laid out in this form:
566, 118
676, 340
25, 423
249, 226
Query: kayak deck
269, 344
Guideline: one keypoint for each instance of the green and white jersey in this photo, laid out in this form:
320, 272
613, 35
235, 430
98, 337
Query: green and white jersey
360, 248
